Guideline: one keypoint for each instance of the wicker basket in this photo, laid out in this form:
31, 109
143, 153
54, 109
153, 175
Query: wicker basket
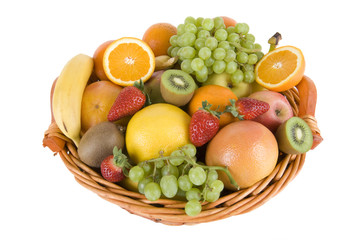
169, 211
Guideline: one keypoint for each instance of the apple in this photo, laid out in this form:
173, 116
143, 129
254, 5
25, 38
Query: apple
97, 100
152, 87
280, 109
241, 89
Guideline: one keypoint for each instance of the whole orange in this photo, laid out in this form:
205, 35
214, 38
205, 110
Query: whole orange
218, 97
229, 22
157, 37
247, 148
98, 60
97, 100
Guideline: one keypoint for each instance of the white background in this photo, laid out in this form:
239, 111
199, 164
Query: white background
40, 198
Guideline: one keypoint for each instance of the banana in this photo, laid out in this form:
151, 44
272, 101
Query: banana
68, 94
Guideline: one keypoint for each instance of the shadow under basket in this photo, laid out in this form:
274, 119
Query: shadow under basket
170, 211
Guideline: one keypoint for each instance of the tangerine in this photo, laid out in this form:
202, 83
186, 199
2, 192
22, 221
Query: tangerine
98, 60
229, 22
158, 37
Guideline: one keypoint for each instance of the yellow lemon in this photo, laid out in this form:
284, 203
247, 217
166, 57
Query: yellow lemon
156, 129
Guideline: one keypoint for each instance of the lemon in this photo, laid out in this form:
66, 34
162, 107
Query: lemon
156, 129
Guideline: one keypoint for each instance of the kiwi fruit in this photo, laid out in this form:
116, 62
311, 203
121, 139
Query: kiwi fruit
294, 136
177, 87
98, 143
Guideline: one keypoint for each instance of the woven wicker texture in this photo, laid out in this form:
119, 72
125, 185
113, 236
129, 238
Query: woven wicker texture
171, 212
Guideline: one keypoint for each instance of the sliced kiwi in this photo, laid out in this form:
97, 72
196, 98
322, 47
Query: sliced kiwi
294, 136
177, 87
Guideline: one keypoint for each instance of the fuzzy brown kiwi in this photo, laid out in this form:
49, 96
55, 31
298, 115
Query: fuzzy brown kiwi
294, 136
177, 87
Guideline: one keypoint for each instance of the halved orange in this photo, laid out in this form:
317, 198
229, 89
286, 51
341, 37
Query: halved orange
280, 69
127, 60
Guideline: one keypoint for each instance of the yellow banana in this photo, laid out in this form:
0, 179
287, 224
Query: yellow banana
68, 94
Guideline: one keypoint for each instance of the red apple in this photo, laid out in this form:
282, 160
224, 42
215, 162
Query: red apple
97, 100
280, 109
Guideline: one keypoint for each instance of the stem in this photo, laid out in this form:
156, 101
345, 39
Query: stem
242, 49
274, 41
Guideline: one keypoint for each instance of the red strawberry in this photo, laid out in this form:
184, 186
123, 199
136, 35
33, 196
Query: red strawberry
115, 167
130, 100
204, 124
247, 108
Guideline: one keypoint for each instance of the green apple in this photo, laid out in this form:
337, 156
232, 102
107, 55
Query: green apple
241, 89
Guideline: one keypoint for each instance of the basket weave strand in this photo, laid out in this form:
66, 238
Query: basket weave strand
171, 212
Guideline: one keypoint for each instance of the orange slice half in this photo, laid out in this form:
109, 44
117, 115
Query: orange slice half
127, 60
280, 69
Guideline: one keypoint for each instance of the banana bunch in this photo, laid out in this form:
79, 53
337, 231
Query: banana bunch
68, 95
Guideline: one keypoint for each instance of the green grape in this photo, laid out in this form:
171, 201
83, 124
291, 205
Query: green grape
242, 57
187, 52
184, 183
190, 19
211, 196
197, 175
203, 33
142, 184
169, 186
250, 38
217, 186
221, 34
231, 67
248, 45
197, 64
224, 44
209, 62
193, 194
179, 157
248, 67
211, 43
193, 207
147, 167
212, 175
191, 28
219, 54
233, 38
218, 22
202, 75
230, 55
249, 76
242, 28
169, 50
210, 71
184, 168
186, 39
219, 66
152, 191
173, 40
259, 55
230, 29
189, 149
237, 76
252, 58
180, 29
257, 46
174, 51
159, 164
198, 21
199, 43
208, 24
186, 66
169, 169
204, 53
136, 173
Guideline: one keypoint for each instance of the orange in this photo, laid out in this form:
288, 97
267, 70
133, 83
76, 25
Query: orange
98, 60
217, 96
247, 148
127, 60
158, 37
280, 69
229, 22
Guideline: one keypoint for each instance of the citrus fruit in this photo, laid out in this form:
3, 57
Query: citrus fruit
247, 148
280, 69
158, 37
217, 96
156, 129
127, 60
229, 22
98, 60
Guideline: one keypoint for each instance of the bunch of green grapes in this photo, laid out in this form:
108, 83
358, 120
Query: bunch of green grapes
205, 46
178, 175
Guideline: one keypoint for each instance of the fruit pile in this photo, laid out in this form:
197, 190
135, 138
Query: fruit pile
184, 113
